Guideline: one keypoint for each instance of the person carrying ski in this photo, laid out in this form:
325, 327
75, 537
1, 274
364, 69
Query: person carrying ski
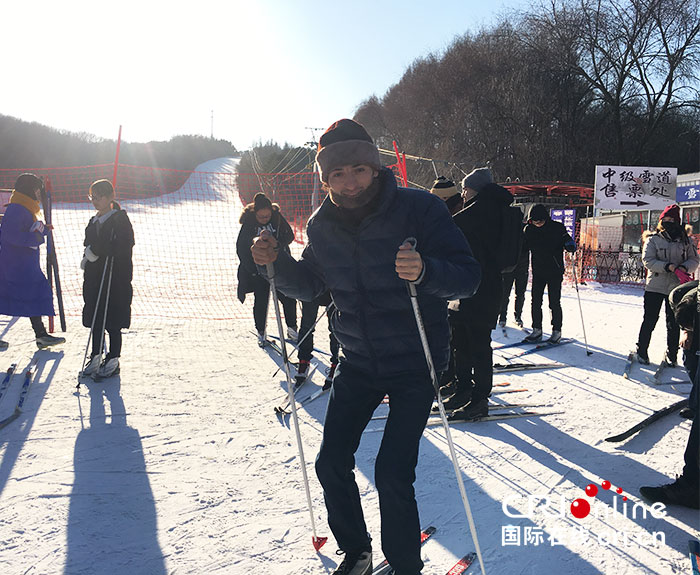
668, 255
546, 240
357, 250
24, 289
108, 271
473, 318
261, 214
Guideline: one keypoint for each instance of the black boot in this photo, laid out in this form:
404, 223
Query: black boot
671, 359
473, 410
642, 356
680, 492
459, 399
355, 564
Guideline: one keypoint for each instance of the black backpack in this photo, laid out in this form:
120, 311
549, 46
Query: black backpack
512, 238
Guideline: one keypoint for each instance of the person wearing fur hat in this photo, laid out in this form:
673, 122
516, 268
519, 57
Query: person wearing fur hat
546, 240
24, 289
107, 274
669, 257
449, 193
357, 249
261, 214
473, 318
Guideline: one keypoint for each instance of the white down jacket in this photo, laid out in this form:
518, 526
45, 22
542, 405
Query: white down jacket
660, 250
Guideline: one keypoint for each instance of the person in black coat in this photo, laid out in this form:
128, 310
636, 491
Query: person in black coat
472, 319
108, 271
259, 215
546, 240
685, 490
309, 314
519, 276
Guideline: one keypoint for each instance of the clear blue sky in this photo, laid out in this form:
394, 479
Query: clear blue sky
268, 69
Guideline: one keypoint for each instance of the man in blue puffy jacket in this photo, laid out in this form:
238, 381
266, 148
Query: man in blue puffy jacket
356, 249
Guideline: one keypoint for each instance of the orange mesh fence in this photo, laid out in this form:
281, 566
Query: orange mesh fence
186, 225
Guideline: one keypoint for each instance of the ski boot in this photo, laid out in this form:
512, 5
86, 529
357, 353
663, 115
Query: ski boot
47, 340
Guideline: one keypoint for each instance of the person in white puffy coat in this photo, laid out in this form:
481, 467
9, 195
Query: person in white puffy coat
670, 256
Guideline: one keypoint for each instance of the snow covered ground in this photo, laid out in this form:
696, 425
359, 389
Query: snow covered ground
180, 466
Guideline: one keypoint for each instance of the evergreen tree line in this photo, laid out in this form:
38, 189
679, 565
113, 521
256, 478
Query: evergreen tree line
547, 94
30, 145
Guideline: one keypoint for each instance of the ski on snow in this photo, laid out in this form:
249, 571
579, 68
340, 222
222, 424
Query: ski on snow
6, 380
694, 554
269, 344
385, 569
496, 417
631, 357
463, 564
508, 367
658, 414
656, 378
433, 420
295, 345
300, 380
541, 346
28, 374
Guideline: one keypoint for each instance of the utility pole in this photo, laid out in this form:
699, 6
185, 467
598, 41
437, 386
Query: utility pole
212, 124
313, 134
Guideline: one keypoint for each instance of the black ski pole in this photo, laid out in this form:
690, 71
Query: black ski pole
49, 260
54, 257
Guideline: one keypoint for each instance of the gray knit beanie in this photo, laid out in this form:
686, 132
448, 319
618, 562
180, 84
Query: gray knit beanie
345, 142
477, 179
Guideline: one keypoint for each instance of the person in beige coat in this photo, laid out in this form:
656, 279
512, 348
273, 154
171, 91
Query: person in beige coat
669, 256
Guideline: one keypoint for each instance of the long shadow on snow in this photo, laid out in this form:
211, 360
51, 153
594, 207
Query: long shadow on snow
438, 497
17, 432
610, 466
112, 521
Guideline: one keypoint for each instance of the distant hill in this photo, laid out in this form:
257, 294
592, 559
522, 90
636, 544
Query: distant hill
29, 145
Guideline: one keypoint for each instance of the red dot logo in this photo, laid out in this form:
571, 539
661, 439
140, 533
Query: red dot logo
591, 490
619, 490
605, 485
580, 508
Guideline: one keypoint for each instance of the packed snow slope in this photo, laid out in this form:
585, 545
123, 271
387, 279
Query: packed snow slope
179, 465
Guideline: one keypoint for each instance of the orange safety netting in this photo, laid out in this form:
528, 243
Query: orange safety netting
186, 224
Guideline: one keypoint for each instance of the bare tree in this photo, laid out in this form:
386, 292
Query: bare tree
640, 58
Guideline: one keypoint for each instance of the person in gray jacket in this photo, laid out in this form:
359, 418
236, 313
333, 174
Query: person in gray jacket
669, 256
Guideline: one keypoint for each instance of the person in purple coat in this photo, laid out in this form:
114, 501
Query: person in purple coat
24, 289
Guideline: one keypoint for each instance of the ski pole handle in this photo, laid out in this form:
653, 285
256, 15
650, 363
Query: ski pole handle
413, 242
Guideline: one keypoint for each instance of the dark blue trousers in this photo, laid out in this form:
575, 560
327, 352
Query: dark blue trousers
691, 469
353, 399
